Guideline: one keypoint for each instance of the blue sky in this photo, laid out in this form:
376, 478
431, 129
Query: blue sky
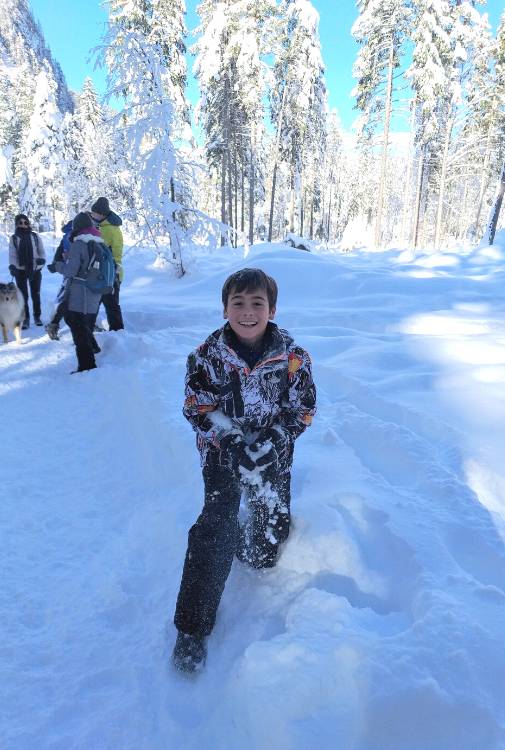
73, 27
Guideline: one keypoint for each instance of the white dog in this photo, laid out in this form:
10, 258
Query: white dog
12, 310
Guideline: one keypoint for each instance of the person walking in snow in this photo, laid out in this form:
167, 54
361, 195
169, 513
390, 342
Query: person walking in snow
26, 259
109, 225
61, 254
249, 395
80, 302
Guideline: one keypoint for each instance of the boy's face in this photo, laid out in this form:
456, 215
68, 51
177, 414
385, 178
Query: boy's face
248, 314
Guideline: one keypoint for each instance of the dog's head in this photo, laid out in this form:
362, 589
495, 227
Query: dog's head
8, 291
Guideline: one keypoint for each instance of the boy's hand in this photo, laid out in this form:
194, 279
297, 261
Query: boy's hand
235, 446
263, 453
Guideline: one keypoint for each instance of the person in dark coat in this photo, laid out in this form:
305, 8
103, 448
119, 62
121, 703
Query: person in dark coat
26, 259
61, 254
81, 303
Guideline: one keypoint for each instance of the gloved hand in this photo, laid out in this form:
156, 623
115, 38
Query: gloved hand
235, 447
263, 452
51, 267
12, 270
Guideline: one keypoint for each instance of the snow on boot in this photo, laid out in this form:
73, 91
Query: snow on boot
189, 653
52, 331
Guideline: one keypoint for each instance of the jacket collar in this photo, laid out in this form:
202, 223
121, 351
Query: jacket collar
278, 343
88, 236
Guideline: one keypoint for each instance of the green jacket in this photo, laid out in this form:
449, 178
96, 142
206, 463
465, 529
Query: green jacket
113, 236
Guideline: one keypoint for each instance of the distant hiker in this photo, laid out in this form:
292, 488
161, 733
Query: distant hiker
81, 303
109, 225
61, 254
26, 259
249, 395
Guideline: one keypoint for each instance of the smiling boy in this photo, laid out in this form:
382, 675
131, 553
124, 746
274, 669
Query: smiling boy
249, 395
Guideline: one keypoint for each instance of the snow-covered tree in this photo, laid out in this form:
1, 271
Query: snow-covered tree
298, 101
485, 121
144, 52
429, 77
40, 170
234, 38
381, 30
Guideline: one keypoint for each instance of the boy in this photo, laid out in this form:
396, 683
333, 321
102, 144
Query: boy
249, 395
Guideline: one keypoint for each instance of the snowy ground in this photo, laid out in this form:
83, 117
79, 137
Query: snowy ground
381, 628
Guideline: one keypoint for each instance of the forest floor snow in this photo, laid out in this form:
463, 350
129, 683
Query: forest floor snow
382, 626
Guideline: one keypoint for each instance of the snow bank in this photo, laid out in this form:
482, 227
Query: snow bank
381, 628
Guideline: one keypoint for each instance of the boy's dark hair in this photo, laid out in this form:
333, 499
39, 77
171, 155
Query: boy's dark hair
249, 280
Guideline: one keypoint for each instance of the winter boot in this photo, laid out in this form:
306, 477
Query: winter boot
37, 320
52, 331
189, 653
26, 324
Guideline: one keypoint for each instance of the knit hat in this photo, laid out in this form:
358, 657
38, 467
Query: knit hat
101, 206
80, 222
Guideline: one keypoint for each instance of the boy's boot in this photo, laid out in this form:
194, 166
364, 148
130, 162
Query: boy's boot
37, 320
189, 652
26, 324
52, 331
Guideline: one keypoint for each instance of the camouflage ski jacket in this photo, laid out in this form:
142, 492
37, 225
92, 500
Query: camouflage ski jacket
278, 392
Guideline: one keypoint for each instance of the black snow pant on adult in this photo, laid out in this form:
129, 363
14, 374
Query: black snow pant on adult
34, 282
112, 308
81, 327
217, 536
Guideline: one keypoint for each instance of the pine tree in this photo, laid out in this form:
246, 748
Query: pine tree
429, 79
40, 169
298, 100
144, 52
381, 31
234, 37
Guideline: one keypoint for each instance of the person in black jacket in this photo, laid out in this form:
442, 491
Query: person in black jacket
26, 259
61, 254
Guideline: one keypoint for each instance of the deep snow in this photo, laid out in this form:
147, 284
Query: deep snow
382, 626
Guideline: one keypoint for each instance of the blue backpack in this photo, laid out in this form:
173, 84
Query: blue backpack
101, 271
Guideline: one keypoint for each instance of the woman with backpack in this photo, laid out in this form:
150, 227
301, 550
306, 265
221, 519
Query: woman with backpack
81, 301
26, 259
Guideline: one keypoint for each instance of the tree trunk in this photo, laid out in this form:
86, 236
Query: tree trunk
408, 191
230, 198
311, 231
235, 194
384, 159
463, 214
302, 208
483, 180
223, 194
419, 189
443, 175
242, 199
495, 213
293, 196
252, 186
328, 221
276, 161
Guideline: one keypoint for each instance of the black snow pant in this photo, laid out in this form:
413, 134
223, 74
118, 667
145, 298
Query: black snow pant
217, 536
113, 309
81, 328
34, 281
